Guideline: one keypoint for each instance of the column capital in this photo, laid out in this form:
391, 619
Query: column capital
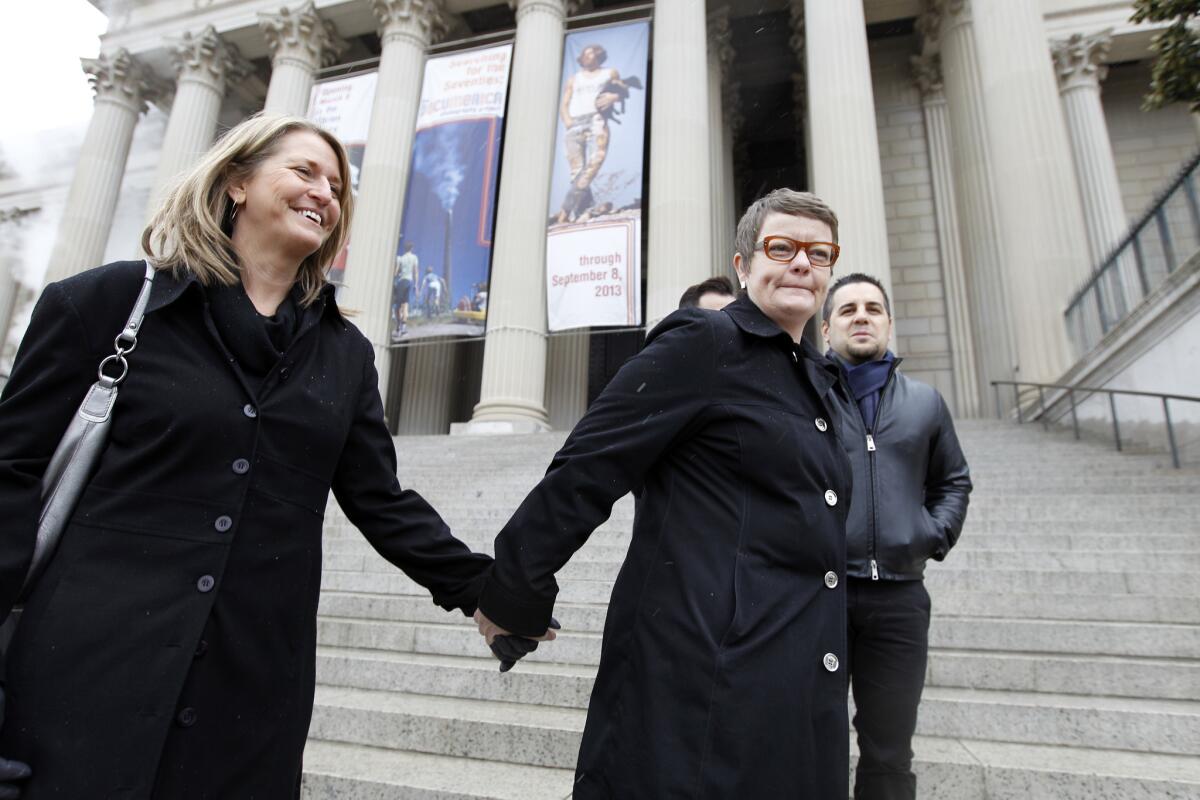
927, 75
120, 77
1079, 59
422, 22
299, 34
558, 8
929, 24
204, 58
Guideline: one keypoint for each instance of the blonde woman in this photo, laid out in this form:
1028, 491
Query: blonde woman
168, 650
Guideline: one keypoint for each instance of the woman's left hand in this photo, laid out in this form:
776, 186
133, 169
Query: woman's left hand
507, 647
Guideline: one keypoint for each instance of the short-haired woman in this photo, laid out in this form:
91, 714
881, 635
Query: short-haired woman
168, 650
722, 672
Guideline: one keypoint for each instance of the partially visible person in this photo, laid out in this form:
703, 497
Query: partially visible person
407, 270
712, 294
168, 650
911, 487
431, 293
722, 670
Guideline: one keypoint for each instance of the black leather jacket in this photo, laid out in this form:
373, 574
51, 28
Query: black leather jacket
911, 481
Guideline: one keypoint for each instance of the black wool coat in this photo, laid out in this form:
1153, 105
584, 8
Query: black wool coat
723, 669
169, 649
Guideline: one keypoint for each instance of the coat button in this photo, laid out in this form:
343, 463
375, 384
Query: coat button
830, 497
284, 372
830, 661
223, 523
821, 424
201, 649
831, 579
241, 466
250, 411
206, 583
186, 717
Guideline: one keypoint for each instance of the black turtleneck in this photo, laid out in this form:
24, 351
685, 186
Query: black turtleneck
256, 341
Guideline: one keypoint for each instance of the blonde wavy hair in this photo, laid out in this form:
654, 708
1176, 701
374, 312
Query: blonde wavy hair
192, 229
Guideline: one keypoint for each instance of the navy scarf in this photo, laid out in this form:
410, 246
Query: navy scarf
866, 381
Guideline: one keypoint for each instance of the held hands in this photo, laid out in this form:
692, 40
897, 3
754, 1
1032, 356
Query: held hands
507, 647
10, 771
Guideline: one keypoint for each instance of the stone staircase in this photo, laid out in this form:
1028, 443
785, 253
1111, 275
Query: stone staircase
1065, 643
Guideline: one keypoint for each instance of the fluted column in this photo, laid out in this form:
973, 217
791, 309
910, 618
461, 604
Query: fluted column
1036, 190
300, 43
720, 59
513, 391
680, 161
985, 272
1079, 65
205, 66
431, 369
566, 391
928, 73
846, 170
122, 87
407, 27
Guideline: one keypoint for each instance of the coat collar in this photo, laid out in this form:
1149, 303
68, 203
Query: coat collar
750, 318
169, 286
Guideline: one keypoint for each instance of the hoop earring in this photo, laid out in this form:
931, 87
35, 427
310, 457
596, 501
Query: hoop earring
233, 214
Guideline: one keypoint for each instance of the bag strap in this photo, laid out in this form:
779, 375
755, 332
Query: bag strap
127, 340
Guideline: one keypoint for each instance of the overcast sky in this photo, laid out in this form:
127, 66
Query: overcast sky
43, 86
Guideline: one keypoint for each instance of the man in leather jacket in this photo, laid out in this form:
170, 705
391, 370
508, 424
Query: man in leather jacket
911, 486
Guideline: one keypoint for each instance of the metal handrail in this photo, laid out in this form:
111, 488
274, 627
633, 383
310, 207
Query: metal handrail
1089, 390
1130, 250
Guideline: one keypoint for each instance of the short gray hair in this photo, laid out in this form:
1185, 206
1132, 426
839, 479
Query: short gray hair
783, 201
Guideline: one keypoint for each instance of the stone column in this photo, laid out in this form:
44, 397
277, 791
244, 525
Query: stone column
720, 59
846, 170
122, 87
679, 252
1079, 65
1034, 182
300, 43
205, 66
986, 277
513, 391
928, 73
430, 371
567, 367
407, 27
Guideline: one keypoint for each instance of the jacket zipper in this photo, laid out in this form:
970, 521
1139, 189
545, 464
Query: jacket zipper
871, 460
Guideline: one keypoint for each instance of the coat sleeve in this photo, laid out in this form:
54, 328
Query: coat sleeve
947, 481
646, 408
399, 523
52, 372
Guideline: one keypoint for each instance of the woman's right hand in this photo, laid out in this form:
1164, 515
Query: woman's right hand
508, 648
10, 771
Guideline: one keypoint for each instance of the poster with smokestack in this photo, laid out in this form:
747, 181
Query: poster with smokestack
444, 256
343, 107
593, 238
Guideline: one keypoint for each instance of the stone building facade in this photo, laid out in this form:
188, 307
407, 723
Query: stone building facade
984, 156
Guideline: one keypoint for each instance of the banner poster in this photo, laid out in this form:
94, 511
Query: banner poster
593, 239
443, 259
343, 107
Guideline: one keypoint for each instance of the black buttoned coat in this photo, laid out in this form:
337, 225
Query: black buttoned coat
169, 649
722, 673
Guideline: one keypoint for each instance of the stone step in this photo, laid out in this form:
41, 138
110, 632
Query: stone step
546, 736
593, 567
578, 645
946, 769
568, 685
938, 577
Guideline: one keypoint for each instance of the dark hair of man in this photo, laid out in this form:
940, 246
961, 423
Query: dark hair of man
854, 277
718, 285
783, 201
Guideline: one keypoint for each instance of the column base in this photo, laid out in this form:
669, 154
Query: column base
497, 427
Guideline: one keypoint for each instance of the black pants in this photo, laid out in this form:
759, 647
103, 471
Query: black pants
888, 638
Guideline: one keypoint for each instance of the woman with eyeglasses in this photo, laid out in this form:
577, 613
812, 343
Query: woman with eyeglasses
722, 672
